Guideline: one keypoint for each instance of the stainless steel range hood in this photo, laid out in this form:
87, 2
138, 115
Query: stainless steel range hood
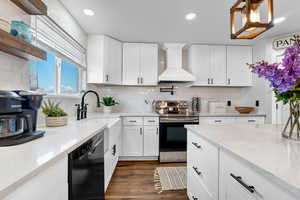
174, 71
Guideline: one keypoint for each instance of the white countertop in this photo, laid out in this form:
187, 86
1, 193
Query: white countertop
231, 114
19, 163
262, 147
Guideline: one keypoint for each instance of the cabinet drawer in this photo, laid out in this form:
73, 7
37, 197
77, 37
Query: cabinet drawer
195, 189
250, 120
217, 120
133, 121
203, 158
239, 181
151, 121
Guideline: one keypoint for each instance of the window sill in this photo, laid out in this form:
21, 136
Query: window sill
65, 96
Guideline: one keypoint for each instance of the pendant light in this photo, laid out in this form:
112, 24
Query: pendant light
251, 21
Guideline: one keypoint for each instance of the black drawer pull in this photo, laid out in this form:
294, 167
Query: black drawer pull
151, 120
132, 120
197, 145
196, 170
194, 198
251, 120
239, 179
218, 121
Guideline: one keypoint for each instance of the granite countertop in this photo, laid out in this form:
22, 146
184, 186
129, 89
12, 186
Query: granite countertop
19, 163
260, 146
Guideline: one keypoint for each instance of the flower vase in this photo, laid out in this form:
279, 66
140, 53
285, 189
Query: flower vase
107, 109
292, 128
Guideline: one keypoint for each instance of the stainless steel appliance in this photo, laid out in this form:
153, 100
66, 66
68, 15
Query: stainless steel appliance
174, 115
18, 117
86, 170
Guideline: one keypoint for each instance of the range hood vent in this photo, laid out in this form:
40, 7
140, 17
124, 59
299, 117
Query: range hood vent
174, 71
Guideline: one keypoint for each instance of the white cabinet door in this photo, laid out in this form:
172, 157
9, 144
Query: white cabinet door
149, 64
199, 59
218, 65
132, 141
115, 62
131, 64
151, 138
238, 73
104, 59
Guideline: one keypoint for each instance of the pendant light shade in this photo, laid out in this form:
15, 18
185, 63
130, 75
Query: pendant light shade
250, 18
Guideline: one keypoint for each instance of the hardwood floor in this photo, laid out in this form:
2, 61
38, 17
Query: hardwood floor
134, 180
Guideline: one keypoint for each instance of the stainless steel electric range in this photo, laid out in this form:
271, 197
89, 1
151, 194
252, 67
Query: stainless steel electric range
174, 115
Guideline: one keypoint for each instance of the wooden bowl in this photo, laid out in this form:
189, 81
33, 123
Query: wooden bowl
244, 110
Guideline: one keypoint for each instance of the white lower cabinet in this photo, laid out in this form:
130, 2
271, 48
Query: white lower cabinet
240, 181
132, 141
50, 184
151, 138
112, 153
203, 164
215, 174
140, 140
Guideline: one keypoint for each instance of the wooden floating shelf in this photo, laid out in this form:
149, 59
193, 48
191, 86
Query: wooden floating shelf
32, 7
18, 47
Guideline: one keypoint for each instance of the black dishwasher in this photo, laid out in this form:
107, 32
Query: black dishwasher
86, 170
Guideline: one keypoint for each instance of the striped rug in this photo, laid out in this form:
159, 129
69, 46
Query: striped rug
170, 178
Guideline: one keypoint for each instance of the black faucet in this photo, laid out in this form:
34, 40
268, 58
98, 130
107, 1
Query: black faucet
82, 108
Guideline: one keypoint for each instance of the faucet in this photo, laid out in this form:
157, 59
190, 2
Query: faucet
82, 107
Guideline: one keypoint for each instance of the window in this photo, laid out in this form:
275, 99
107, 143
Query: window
69, 78
55, 76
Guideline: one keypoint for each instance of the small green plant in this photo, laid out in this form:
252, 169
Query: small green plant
52, 109
109, 101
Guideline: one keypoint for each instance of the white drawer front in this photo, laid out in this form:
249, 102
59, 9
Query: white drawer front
151, 121
250, 120
203, 158
195, 189
133, 121
236, 177
217, 120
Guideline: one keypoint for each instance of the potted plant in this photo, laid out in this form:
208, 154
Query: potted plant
284, 79
55, 116
108, 103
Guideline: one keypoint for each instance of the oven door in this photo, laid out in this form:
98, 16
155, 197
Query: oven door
173, 137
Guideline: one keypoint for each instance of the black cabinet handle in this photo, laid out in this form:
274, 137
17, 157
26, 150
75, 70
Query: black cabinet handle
151, 120
239, 179
196, 170
194, 198
114, 150
251, 120
197, 145
132, 120
218, 121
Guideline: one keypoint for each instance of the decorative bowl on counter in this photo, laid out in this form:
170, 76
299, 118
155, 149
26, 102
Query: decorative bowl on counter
244, 110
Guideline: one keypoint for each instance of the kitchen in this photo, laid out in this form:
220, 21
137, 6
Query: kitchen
145, 99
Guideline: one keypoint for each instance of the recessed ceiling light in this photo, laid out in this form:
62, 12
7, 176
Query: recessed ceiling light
279, 20
88, 12
190, 16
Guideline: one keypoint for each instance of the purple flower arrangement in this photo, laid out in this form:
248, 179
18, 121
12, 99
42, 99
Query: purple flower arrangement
284, 76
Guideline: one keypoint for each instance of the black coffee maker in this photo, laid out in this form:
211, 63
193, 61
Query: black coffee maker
18, 117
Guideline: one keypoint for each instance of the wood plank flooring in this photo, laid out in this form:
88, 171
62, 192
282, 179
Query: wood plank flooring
134, 180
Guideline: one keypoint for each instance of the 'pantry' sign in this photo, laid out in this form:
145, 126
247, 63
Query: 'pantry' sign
284, 42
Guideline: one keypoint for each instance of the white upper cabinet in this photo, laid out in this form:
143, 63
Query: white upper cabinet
208, 64
221, 65
140, 64
218, 65
104, 60
238, 73
199, 56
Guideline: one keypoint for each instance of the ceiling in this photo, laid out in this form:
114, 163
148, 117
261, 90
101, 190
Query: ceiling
164, 20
